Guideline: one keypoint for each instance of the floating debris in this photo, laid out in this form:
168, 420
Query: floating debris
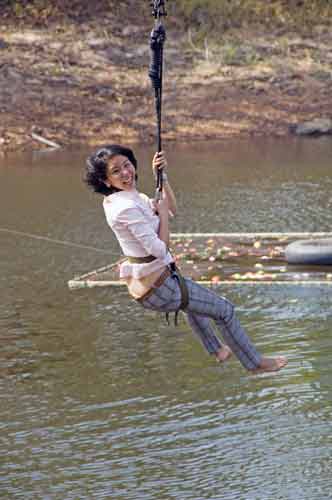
229, 258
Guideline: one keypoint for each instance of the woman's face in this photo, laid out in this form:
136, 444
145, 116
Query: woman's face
121, 173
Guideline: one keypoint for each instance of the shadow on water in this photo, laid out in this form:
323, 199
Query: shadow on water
100, 399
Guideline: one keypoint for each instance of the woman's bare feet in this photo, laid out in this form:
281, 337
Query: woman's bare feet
271, 364
223, 354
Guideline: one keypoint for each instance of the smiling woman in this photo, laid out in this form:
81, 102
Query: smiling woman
120, 174
99, 169
141, 227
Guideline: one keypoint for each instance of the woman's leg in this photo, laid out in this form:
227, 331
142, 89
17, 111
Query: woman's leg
201, 325
167, 298
206, 302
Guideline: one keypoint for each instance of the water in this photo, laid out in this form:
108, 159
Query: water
100, 399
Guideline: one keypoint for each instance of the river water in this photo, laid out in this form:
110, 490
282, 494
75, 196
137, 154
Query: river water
100, 399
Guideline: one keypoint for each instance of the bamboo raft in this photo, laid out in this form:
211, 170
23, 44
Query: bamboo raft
228, 258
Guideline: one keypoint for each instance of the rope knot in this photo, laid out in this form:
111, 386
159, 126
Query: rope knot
158, 37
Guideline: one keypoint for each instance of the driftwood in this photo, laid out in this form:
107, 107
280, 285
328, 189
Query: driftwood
41, 139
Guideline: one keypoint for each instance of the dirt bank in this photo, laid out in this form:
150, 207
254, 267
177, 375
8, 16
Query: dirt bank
86, 82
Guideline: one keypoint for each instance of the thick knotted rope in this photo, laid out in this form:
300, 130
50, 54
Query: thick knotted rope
157, 40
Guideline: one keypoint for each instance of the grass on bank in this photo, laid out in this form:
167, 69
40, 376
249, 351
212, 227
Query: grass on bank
219, 33
205, 16
224, 14
257, 33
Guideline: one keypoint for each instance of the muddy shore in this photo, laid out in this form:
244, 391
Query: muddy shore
87, 84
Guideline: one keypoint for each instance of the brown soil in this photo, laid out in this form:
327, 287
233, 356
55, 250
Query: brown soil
86, 83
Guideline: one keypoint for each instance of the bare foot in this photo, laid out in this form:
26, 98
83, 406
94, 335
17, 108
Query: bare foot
271, 364
223, 354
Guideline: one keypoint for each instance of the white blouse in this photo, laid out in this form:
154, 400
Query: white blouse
135, 225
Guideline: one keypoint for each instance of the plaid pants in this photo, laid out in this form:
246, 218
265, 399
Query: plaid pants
205, 305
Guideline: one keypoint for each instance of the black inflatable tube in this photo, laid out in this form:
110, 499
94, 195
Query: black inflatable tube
316, 252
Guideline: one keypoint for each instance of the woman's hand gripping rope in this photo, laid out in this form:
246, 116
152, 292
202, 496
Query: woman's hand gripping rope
160, 165
159, 162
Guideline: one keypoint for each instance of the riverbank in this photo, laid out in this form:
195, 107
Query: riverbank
75, 83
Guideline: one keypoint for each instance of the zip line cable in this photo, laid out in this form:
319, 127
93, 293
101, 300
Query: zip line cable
52, 240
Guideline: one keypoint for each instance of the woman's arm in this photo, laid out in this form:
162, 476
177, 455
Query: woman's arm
159, 162
163, 211
169, 195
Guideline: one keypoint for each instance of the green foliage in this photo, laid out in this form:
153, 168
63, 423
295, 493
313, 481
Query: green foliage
206, 17
223, 14
43, 12
237, 54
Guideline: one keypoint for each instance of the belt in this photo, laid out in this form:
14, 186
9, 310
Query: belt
159, 281
141, 260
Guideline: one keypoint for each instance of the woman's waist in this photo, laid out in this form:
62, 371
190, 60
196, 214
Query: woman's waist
137, 267
139, 287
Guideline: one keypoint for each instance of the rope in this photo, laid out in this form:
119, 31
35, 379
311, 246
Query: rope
51, 240
157, 39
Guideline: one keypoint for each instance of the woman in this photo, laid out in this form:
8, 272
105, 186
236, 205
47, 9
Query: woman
141, 227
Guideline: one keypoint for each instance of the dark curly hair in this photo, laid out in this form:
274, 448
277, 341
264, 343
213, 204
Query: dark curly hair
96, 167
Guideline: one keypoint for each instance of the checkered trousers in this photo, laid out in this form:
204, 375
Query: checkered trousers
205, 305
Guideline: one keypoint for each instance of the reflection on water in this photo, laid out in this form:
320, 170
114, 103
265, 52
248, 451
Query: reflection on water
100, 399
